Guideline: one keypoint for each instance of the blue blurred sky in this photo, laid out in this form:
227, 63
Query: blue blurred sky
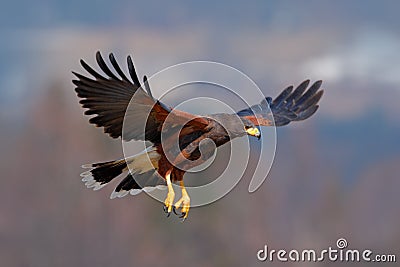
335, 173
352, 45
340, 41
264, 15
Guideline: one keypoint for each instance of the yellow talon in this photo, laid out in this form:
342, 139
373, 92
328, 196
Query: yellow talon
171, 194
184, 201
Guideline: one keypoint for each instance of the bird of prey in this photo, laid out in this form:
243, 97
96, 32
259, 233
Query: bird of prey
107, 96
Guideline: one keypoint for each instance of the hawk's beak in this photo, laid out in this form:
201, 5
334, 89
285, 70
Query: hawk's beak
253, 132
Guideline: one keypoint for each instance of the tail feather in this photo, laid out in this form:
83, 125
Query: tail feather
143, 167
100, 174
147, 182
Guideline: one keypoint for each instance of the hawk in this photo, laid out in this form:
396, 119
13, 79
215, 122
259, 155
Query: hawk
107, 96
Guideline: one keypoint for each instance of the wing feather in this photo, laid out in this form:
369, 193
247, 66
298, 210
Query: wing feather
288, 106
107, 98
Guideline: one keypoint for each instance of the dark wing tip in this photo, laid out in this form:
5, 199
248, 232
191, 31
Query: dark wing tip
117, 68
91, 71
307, 113
98, 54
302, 102
132, 71
282, 96
76, 83
99, 58
103, 66
305, 83
75, 73
317, 84
147, 86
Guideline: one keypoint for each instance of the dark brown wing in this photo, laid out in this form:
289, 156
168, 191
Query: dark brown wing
290, 105
107, 97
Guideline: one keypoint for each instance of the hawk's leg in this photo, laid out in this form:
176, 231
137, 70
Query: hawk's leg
184, 202
169, 201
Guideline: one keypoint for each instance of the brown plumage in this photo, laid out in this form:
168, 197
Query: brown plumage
107, 96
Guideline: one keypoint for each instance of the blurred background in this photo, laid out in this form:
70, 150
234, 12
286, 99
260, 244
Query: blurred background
335, 175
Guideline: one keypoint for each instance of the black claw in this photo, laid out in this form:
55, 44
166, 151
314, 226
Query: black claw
166, 211
182, 215
174, 210
177, 212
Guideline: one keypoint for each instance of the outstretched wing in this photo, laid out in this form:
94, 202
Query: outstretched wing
107, 97
290, 105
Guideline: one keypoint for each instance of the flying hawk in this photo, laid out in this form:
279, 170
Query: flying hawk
107, 96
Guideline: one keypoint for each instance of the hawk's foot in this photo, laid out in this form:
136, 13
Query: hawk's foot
184, 201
